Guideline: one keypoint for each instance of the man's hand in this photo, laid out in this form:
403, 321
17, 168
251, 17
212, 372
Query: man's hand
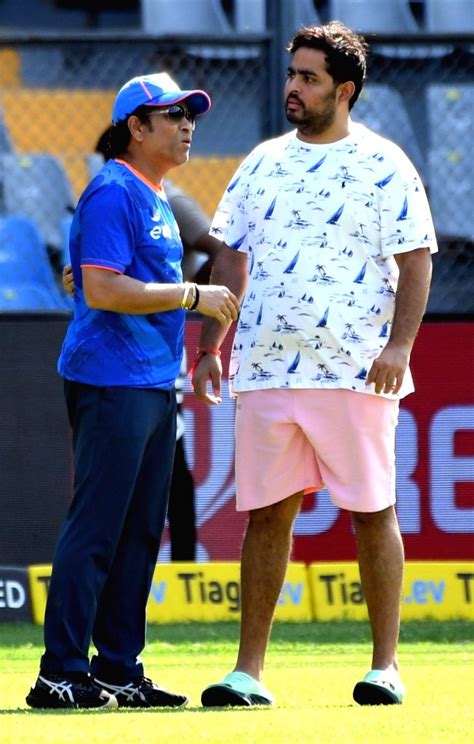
388, 370
68, 281
209, 367
218, 302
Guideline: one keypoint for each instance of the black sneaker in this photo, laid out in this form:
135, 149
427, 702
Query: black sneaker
142, 693
77, 691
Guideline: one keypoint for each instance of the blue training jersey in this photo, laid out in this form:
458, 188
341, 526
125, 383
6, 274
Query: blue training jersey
123, 223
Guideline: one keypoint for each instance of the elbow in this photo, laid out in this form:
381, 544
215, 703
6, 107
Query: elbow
95, 300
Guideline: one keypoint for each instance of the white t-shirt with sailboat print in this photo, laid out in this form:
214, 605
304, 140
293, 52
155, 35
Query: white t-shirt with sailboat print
320, 225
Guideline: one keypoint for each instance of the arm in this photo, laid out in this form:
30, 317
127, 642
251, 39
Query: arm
388, 370
132, 294
230, 269
108, 290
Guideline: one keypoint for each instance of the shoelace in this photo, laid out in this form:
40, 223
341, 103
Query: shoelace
129, 691
60, 688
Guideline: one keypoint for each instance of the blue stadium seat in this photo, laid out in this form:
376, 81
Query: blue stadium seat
5, 138
375, 16
249, 16
451, 187
381, 108
27, 297
451, 285
449, 16
37, 187
300, 13
184, 17
94, 163
24, 261
64, 255
450, 110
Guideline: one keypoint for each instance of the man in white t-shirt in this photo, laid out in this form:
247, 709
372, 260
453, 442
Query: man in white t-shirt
327, 237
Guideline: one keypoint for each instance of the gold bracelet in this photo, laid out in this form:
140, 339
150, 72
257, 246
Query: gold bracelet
184, 300
192, 297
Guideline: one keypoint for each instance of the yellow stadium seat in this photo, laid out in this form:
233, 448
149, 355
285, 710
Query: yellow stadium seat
56, 121
205, 179
10, 68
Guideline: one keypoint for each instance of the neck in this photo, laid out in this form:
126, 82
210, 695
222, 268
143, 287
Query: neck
336, 131
150, 171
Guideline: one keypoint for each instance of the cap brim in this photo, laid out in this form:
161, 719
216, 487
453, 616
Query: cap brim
197, 100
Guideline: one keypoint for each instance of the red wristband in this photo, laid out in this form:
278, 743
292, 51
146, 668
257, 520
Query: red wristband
208, 350
202, 351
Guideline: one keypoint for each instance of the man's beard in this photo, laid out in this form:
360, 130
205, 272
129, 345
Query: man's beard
312, 122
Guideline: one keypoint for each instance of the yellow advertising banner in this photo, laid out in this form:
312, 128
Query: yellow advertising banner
211, 592
39, 577
196, 591
431, 590
325, 591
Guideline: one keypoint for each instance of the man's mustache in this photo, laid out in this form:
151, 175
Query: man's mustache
292, 97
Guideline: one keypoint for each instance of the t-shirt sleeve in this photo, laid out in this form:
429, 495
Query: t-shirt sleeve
406, 221
230, 222
109, 221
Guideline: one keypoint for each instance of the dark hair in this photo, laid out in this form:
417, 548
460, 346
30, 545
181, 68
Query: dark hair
346, 52
116, 138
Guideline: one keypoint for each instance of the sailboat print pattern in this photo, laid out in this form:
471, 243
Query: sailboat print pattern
320, 225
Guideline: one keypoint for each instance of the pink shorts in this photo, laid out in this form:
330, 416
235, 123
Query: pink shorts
291, 441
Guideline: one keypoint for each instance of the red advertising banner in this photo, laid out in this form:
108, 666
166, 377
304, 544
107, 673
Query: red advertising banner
435, 462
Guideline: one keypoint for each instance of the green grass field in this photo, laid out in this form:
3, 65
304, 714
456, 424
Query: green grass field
311, 669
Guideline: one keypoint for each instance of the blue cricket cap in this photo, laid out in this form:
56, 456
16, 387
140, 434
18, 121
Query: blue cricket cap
156, 90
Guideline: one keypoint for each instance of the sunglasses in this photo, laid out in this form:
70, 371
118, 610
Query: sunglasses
176, 114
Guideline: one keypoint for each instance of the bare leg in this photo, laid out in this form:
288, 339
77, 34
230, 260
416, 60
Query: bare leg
265, 555
380, 553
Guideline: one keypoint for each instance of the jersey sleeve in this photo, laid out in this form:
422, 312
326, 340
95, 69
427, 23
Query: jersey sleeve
109, 221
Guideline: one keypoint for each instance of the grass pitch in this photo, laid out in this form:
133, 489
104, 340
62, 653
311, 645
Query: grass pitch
311, 669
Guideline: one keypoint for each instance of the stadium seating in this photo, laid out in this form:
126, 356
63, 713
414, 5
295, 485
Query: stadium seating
450, 110
28, 297
5, 138
215, 173
375, 16
249, 16
449, 16
299, 13
9, 68
451, 285
451, 188
56, 120
24, 264
94, 162
183, 17
64, 123
381, 108
37, 186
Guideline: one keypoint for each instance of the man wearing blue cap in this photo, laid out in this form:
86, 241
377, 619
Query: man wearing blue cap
120, 359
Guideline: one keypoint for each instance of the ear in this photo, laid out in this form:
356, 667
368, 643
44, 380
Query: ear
346, 91
136, 128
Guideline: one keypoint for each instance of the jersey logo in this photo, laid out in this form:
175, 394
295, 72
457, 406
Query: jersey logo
157, 231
